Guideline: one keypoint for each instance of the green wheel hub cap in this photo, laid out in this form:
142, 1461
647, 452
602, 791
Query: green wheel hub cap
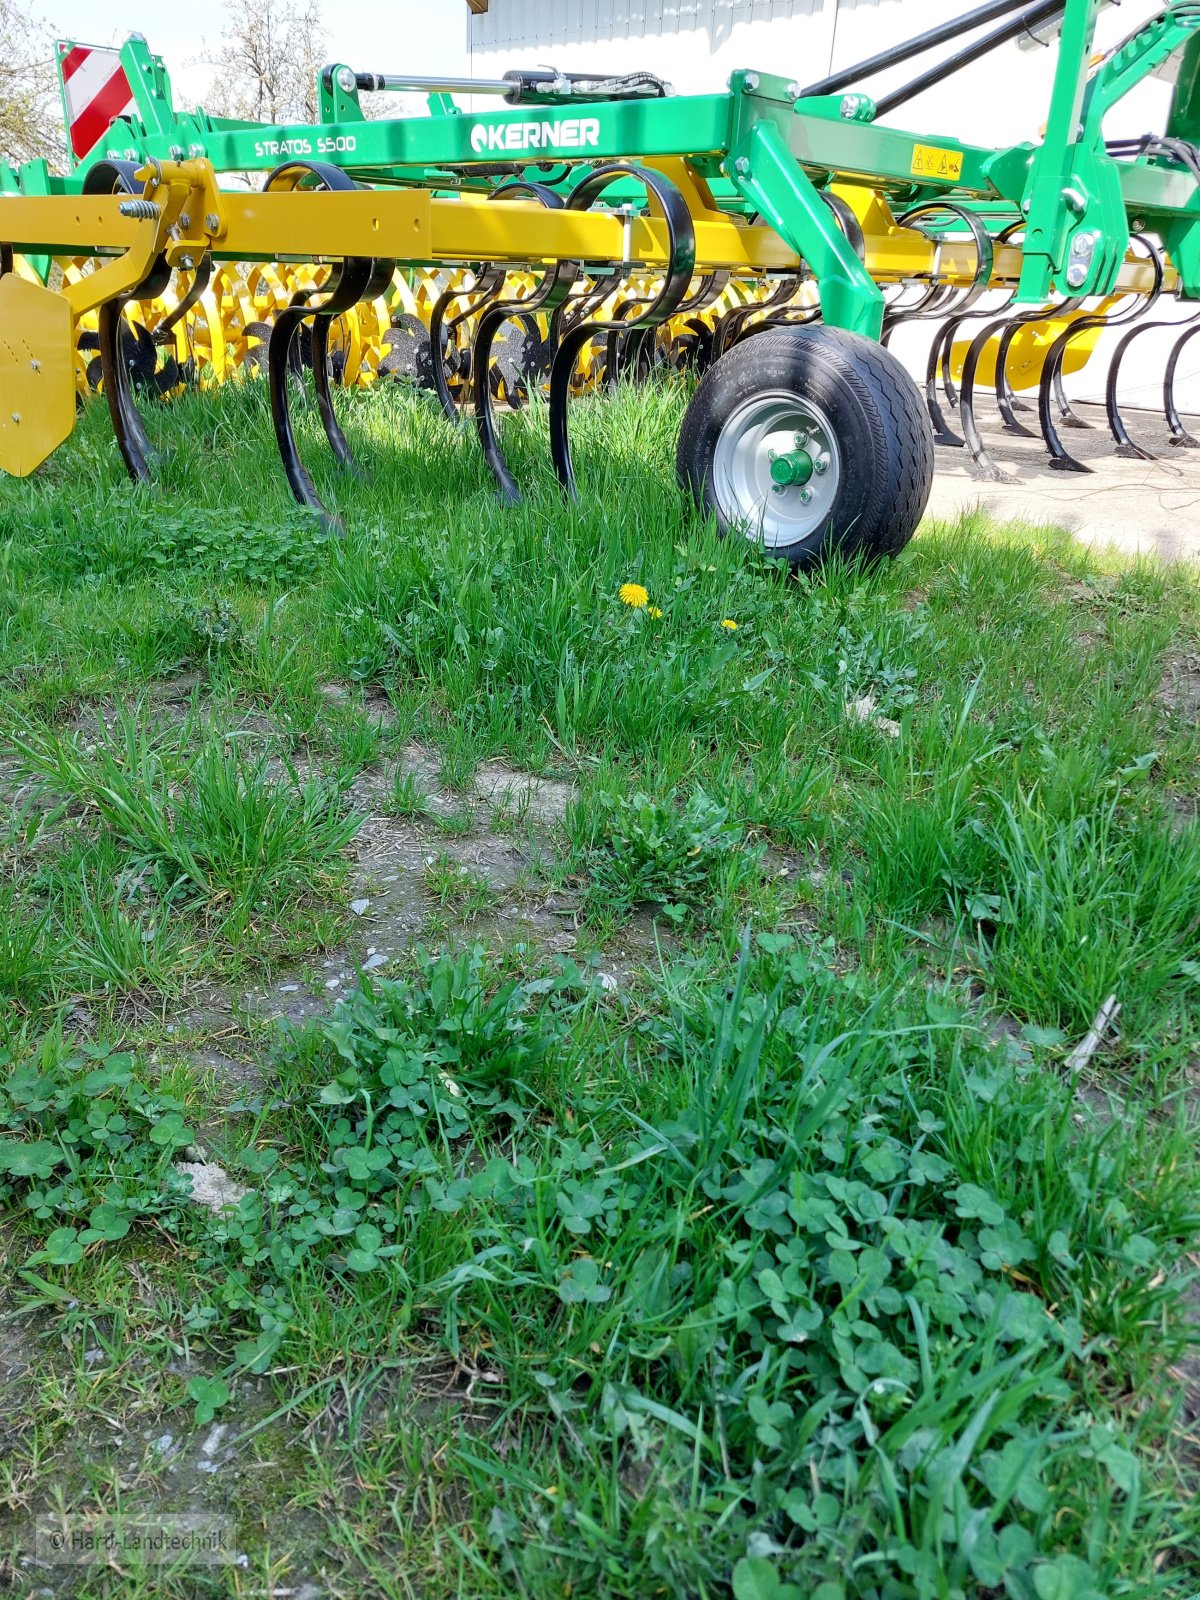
794, 466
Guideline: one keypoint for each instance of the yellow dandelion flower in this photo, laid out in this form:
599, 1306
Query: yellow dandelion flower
632, 594
654, 611
730, 624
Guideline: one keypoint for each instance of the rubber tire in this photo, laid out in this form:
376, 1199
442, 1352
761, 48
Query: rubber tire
873, 404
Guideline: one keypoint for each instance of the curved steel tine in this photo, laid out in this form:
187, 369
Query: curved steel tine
1126, 446
132, 439
733, 326
966, 404
1051, 384
345, 289
934, 305
1006, 400
939, 361
550, 295
489, 284
186, 369
848, 222
616, 343
1181, 438
382, 273
681, 266
1007, 328
633, 345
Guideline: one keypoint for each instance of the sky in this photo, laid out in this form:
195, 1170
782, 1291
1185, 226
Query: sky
420, 36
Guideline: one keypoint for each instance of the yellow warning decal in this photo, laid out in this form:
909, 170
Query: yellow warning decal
930, 162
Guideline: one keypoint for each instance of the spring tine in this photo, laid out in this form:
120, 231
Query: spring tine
681, 264
489, 284
553, 290
934, 304
966, 405
344, 289
1006, 401
132, 438
1052, 385
381, 275
550, 295
1181, 438
1126, 446
939, 360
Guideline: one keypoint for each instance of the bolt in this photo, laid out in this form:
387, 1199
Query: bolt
849, 105
1076, 275
821, 464
801, 438
793, 91
778, 488
741, 165
195, 151
1075, 201
771, 454
805, 496
185, 220
187, 263
35, 365
346, 80
177, 152
16, 416
750, 82
211, 221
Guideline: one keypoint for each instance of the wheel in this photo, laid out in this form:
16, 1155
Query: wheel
809, 441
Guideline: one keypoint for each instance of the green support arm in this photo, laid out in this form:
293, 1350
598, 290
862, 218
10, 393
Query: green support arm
767, 174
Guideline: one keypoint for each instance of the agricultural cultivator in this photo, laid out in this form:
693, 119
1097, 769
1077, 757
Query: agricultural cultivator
771, 239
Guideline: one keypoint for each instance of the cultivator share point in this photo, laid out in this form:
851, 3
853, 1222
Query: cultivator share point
583, 229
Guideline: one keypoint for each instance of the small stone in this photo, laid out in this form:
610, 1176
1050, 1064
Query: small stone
213, 1439
211, 1184
163, 1444
561, 942
289, 988
333, 983
360, 907
90, 1357
373, 963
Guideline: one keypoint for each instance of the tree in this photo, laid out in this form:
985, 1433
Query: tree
30, 109
266, 68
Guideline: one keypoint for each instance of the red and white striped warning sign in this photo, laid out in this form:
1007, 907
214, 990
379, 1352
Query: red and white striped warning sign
96, 90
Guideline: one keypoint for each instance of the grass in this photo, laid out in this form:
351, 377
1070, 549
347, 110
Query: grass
703, 1204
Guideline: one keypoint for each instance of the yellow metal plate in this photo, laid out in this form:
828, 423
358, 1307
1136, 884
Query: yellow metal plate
928, 161
37, 374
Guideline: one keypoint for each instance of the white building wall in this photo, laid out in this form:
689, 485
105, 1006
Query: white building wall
695, 44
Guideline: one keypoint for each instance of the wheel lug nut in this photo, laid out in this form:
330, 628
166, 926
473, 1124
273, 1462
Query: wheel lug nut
821, 464
805, 495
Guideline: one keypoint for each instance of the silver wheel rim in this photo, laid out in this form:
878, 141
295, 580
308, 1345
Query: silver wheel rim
761, 429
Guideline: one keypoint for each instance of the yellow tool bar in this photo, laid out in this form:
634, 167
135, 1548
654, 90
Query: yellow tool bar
416, 227
410, 225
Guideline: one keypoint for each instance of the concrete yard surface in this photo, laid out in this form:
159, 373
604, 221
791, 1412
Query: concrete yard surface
1143, 507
